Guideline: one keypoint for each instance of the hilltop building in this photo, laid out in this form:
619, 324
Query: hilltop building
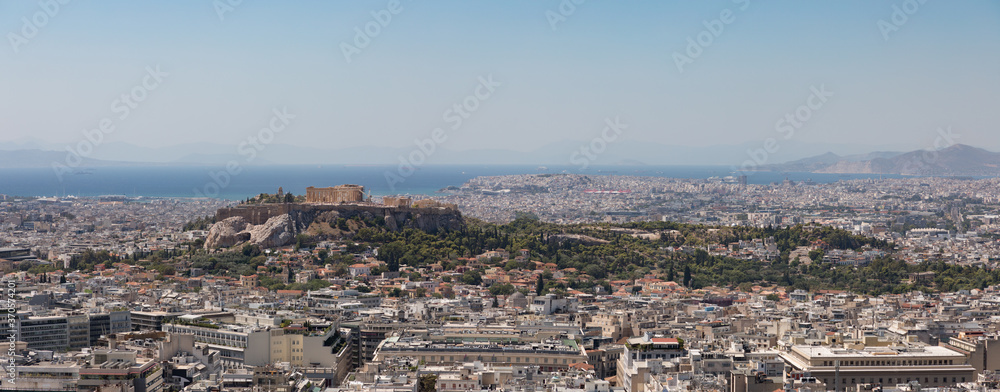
347, 193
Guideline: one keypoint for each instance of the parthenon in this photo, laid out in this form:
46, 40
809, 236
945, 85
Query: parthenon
346, 193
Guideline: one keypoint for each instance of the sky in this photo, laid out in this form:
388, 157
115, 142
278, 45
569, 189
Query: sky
559, 71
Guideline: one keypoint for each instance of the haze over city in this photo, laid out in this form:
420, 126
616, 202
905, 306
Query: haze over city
893, 76
500, 196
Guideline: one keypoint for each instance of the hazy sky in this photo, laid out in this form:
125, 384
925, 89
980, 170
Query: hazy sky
939, 67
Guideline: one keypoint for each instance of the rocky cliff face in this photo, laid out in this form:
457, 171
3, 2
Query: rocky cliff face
227, 232
277, 231
283, 224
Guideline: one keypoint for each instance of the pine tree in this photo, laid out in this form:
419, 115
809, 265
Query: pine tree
540, 286
687, 275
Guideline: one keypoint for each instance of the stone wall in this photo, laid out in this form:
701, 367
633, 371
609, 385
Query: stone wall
254, 214
429, 219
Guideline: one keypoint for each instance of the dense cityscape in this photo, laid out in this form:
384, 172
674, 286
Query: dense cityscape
500, 196
552, 282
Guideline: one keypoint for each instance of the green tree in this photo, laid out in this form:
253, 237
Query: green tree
428, 383
594, 270
502, 289
472, 278
391, 254
317, 284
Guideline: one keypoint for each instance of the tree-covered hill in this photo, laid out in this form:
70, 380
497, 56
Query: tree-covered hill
678, 255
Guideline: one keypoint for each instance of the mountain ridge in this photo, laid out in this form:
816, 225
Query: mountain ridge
566, 152
955, 160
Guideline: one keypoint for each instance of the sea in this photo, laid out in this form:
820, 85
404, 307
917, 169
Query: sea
215, 182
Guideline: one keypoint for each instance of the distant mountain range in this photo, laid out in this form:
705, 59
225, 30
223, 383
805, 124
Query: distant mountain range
40, 158
957, 160
34, 153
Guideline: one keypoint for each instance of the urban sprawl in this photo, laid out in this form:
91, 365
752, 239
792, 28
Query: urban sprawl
546, 282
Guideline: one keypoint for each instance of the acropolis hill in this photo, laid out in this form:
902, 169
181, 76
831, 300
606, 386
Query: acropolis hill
275, 224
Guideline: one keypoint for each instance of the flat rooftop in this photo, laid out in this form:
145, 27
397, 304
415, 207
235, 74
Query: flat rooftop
818, 352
